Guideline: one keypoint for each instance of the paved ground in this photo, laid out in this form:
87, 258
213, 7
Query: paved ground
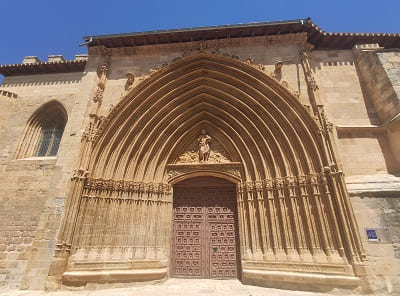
174, 287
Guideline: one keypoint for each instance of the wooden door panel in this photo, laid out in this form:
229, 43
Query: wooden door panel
204, 232
188, 238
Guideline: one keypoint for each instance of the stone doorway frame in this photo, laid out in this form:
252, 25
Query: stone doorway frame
228, 171
234, 200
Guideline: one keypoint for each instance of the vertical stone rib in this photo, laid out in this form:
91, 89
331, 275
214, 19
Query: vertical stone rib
282, 214
324, 203
313, 179
167, 219
80, 233
93, 235
302, 219
251, 195
150, 221
352, 239
336, 230
307, 214
270, 215
261, 212
157, 218
297, 229
141, 221
137, 234
243, 221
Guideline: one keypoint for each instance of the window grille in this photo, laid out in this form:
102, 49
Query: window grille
49, 142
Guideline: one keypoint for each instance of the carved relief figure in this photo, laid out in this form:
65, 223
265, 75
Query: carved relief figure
204, 141
130, 78
277, 74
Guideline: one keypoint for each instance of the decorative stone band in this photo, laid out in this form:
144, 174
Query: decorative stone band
110, 185
230, 170
290, 184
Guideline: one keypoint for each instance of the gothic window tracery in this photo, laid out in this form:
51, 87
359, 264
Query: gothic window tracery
43, 132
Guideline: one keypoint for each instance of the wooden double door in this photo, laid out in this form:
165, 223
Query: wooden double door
204, 243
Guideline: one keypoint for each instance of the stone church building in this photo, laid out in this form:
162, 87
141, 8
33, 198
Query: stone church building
266, 152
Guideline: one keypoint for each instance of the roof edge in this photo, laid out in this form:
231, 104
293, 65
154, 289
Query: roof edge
315, 35
66, 66
196, 29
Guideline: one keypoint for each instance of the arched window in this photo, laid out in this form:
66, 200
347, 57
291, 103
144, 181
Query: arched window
43, 132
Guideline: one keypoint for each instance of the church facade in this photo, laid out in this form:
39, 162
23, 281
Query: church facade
266, 152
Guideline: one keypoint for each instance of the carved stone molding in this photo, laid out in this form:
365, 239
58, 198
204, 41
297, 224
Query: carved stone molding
94, 184
178, 171
80, 174
287, 184
283, 39
312, 84
92, 129
326, 125
102, 72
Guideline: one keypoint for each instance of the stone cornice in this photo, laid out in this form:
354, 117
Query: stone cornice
315, 36
389, 124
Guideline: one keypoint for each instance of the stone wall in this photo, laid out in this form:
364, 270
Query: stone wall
258, 51
382, 214
379, 72
390, 61
339, 88
33, 190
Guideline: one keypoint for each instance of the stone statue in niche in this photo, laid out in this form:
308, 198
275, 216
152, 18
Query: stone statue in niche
277, 74
199, 151
204, 141
130, 78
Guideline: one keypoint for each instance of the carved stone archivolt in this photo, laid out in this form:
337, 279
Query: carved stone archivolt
292, 201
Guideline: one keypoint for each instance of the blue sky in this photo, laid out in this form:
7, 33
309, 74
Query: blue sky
45, 27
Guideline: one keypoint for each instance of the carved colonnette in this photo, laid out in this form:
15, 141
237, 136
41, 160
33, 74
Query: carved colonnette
293, 218
122, 220
290, 224
334, 182
123, 227
286, 223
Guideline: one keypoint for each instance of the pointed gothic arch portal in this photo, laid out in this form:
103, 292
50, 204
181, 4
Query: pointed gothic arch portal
295, 218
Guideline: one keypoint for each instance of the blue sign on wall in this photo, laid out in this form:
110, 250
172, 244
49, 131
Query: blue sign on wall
371, 233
